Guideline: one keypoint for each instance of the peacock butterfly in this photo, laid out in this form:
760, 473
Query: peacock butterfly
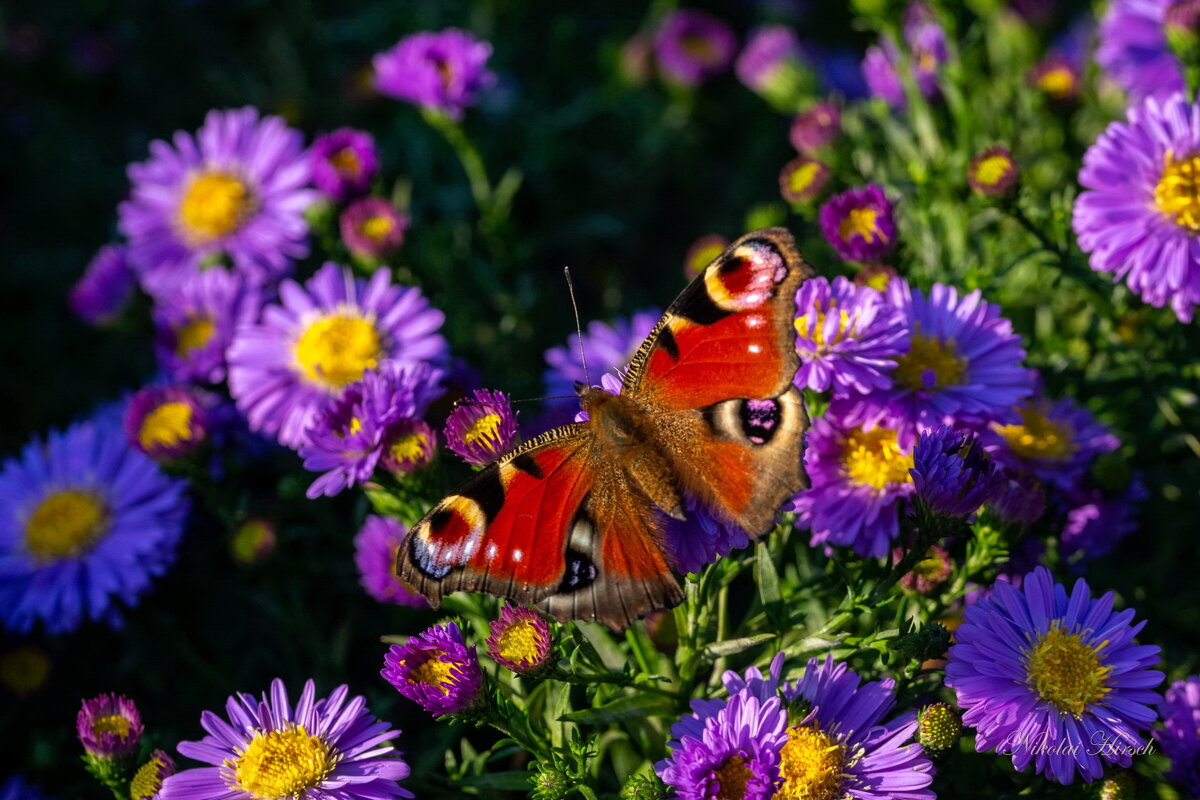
572, 520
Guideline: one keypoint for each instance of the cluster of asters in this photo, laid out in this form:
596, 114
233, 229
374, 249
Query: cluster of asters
261, 343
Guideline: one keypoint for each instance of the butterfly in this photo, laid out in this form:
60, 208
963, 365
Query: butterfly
572, 521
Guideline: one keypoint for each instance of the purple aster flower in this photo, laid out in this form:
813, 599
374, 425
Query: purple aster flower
372, 228
729, 748
409, 446
993, 172
109, 726
482, 427
350, 435
322, 337
237, 189
858, 224
1058, 76
772, 64
1139, 215
442, 72
952, 473
926, 44
927, 574
1180, 736
1054, 440
1035, 668
166, 423
703, 252
608, 346
105, 287
816, 127
86, 520
326, 749
842, 747
436, 670
147, 782
520, 640
963, 365
344, 163
692, 46
802, 179
195, 322
700, 538
1097, 522
860, 482
375, 549
1020, 498
1134, 50
847, 336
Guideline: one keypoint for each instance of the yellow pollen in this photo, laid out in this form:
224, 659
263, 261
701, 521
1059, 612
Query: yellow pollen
433, 672
993, 169
926, 60
410, 447
1039, 437
861, 221
166, 426
354, 427
65, 525
194, 334
377, 227
111, 723
146, 781
337, 350
732, 776
873, 458
346, 162
214, 205
1178, 192
817, 331
811, 763
278, 764
486, 428
879, 280
519, 642
802, 177
1066, 672
1057, 82
930, 363
931, 567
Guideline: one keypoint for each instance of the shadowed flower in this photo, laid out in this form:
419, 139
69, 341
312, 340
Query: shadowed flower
436, 670
1057, 76
858, 224
195, 322
344, 163
1134, 50
322, 337
326, 749
1140, 212
109, 726
84, 520
253, 540
952, 473
802, 179
372, 227
166, 423
1020, 498
520, 640
927, 574
993, 173
609, 347
773, 65
375, 549
1180, 736
147, 782
1097, 522
1036, 665
703, 252
692, 46
105, 287
443, 72
410, 445
482, 427
816, 127
237, 189
700, 539
847, 336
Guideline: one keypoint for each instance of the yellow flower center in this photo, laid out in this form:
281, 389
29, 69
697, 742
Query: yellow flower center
434, 672
249, 538
215, 204
24, 669
284, 763
166, 426
1039, 437
930, 363
1178, 192
111, 723
992, 169
519, 643
484, 428
194, 334
732, 776
346, 162
1058, 82
338, 349
802, 176
861, 221
873, 458
146, 781
811, 763
817, 332
931, 567
376, 228
879, 280
698, 47
65, 525
410, 447
1066, 672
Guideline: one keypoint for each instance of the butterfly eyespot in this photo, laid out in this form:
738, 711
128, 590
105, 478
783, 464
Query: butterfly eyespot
759, 420
580, 573
747, 279
449, 537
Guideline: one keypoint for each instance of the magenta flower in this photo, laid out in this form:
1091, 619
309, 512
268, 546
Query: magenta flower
372, 228
482, 427
109, 726
344, 163
194, 323
167, 423
693, 46
858, 224
443, 72
436, 670
520, 640
375, 549
105, 287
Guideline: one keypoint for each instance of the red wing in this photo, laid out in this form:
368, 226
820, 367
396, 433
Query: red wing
730, 333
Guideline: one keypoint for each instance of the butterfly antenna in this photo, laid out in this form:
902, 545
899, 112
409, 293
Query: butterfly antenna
578, 329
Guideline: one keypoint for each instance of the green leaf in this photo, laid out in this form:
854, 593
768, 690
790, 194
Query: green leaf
627, 707
731, 646
507, 781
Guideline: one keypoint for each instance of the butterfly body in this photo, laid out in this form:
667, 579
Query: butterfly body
574, 521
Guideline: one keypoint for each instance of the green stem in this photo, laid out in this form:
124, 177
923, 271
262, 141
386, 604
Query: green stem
585, 679
468, 156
